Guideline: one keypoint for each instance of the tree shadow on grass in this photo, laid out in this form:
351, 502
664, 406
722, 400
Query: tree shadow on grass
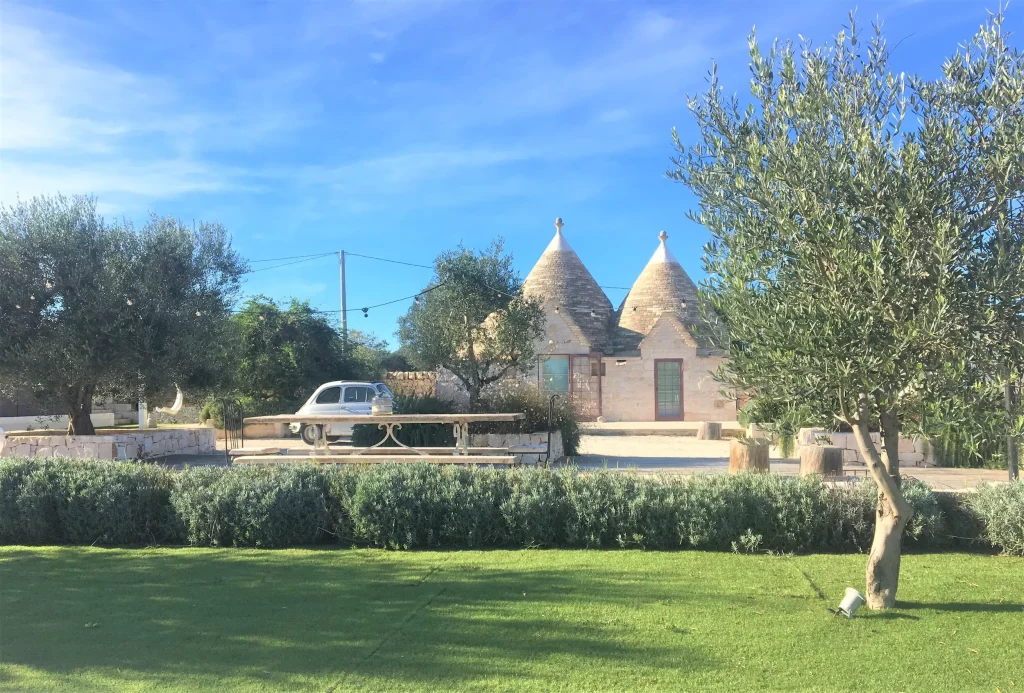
977, 607
285, 618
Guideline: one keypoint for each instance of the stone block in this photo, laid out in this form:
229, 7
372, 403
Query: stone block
61, 451
912, 457
850, 455
44, 451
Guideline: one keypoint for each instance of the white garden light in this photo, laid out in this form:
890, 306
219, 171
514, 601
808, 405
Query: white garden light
852, 601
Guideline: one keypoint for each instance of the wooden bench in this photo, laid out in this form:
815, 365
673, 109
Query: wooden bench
375, 459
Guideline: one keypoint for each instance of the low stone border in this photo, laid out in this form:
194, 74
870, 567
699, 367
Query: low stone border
115, 446
511, 440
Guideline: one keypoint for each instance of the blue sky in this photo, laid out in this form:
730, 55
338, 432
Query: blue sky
398, 129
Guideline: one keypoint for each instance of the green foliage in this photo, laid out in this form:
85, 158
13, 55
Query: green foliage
88, 308
865, 271
527, 399
253, 506
422, 505
1000, 510
82, 502
213, 408
505, 398
415, 435
473, 320
283, 355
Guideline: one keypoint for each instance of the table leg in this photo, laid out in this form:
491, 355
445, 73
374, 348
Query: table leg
320, 445
461, 430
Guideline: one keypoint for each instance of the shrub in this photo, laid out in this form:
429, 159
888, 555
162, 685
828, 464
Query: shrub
518, 397
415, 435
213, 408
401, 506
1000, 509
61, 501
265, 507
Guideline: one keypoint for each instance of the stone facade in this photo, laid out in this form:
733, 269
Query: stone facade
119, 446
612, 355
913, 451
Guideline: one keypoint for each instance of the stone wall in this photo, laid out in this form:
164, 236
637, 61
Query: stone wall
51, 423
628, 388
509, 440
915, 451
417, 383
114, 446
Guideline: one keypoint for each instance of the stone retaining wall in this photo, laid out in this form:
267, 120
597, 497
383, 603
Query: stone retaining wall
916, 451
508, 440
417, 383
115, 446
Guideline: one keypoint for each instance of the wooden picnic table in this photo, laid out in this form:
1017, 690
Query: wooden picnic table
391, 422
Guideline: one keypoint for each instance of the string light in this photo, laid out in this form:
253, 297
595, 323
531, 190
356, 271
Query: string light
130, 302
199, 314
49, 285
32, 297
261, 318
17, 306
366, 312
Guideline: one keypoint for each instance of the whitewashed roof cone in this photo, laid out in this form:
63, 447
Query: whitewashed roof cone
663, 288
560, 280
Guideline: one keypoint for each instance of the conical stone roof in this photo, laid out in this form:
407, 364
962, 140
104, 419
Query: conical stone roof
560, 280
662, 289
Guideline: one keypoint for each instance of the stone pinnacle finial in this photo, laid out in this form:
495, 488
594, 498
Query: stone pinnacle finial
663, 236
558, 225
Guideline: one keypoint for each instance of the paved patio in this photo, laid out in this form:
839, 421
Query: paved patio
675, 454
649, 452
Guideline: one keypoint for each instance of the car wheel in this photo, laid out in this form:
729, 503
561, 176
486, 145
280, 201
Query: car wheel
310, 434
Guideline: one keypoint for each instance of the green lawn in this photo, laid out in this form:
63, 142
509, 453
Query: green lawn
79, 619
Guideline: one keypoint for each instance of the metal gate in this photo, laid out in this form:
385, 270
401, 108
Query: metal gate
234, 430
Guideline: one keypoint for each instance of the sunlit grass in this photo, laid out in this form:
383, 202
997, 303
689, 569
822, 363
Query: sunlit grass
79, 619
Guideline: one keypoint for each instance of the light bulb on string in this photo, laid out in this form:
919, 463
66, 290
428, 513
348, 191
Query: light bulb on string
17, 306
32, 297
199, 314
130, 302
366, 312
49, 285
261, 318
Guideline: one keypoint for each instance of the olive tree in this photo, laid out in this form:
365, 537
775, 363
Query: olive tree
972, 132
90, 309
473, 320
841, 252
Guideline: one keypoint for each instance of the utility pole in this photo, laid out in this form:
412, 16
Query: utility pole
344, 302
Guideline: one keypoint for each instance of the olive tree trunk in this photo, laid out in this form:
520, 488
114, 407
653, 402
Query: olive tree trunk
892, 513
79, 402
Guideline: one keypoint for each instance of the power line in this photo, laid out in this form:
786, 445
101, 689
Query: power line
293, 257
384, 259
285, 264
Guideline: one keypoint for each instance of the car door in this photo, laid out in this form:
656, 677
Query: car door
358, 399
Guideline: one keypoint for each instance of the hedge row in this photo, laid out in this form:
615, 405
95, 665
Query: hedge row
418, 506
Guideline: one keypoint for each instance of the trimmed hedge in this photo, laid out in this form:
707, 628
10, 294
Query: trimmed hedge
398, 506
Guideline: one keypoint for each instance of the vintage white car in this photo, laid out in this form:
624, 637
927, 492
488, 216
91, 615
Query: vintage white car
338, 397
